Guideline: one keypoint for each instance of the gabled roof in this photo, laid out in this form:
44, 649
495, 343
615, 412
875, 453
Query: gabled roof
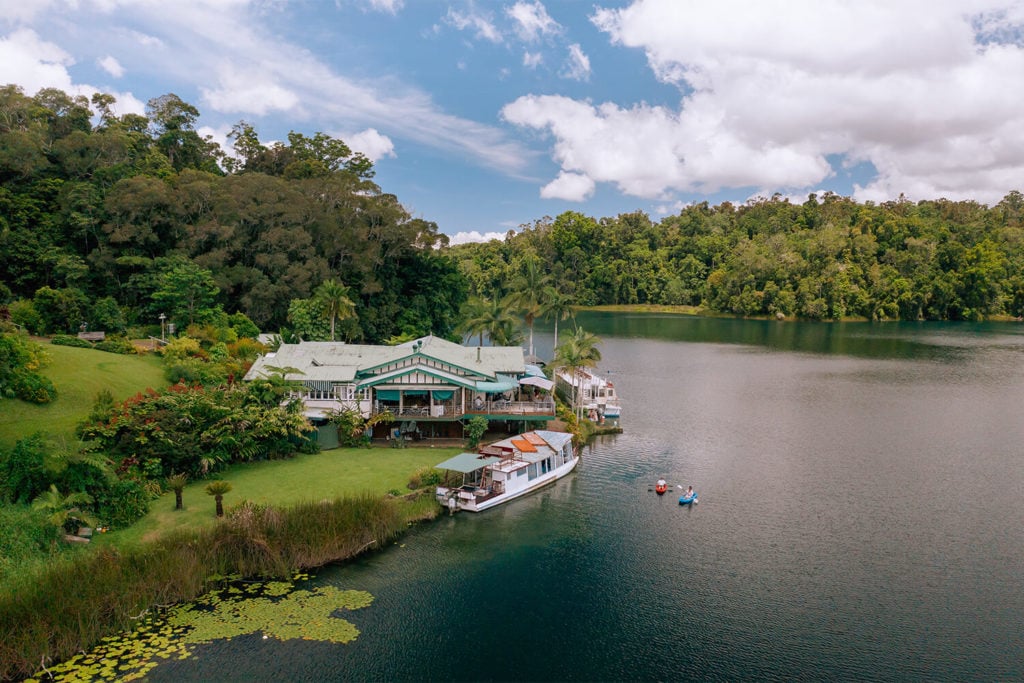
341, 362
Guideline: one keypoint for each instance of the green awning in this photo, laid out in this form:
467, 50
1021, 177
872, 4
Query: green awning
443, 395
415, 392
502, 384
387, 394
467, 462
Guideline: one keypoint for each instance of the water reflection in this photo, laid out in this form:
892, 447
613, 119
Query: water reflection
859, 519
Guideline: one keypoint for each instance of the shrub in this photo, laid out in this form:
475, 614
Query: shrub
116, 345
192, 371
246, 349
24, 313
123, 503
243, 326
475, 429
33, 387
24, 535
23, 473
20, 361
427, 476
68, 340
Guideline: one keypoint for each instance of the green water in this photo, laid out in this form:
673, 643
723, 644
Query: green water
860, 518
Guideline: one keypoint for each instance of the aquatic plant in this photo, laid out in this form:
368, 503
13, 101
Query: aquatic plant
274, 609
56, 609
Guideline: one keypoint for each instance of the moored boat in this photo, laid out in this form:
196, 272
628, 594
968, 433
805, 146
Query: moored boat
507, 469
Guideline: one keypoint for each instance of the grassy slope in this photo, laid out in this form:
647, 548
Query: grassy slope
79, 374
326, 475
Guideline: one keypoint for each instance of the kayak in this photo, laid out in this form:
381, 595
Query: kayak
686, 500
661, 488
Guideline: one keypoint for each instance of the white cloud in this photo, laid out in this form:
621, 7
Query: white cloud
769, 90
111, 66
389, 6
476, 21
33, 63
228, 52
574, 187
577, 64
532, 21
475, 236
20, 11
249, 91
532, 60
371, 143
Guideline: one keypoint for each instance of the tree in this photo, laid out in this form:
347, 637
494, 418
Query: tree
185, 290
334, 301
578, 351
308, 319
177, 482
527, 293
217, 489
65, 511
474, 318
557, 306
475, 429
500, 323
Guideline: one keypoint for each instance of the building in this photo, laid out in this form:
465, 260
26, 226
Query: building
431, 386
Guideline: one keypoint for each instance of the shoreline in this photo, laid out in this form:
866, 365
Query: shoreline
701, 312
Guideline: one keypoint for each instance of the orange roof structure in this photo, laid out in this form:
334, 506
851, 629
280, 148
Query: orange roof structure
524, 445
534, 438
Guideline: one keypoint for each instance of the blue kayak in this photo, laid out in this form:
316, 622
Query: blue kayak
686, 500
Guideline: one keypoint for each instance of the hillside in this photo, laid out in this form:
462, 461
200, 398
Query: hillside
79, 374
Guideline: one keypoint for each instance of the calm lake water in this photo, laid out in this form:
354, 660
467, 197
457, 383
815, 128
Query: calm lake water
861, 517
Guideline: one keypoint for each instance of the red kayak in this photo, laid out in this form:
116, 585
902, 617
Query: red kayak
661, 488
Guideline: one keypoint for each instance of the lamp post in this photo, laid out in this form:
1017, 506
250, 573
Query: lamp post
162, 319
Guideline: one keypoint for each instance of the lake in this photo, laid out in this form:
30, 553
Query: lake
861, 517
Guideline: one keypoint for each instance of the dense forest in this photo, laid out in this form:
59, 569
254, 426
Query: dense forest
113, 220
827, 258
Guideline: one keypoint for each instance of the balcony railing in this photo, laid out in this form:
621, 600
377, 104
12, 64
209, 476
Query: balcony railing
450, 410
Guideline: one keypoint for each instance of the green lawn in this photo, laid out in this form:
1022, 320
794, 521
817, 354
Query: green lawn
78, 374
326, 475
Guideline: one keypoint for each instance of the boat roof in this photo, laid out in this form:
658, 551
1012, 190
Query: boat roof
467, 462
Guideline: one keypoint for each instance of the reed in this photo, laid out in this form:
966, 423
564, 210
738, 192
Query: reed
55, 610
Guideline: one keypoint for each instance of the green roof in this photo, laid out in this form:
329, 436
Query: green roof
467, 462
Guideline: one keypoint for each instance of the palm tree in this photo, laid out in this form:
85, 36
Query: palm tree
65, 509
176, 482
578, 351
499, 322
333, 297
217, 489
528, 293
506, 334
557, 305
474, 318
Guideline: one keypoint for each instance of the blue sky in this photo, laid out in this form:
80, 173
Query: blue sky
485, 115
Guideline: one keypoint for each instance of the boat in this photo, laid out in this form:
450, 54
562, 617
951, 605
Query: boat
507, 469
596, 394
660, 488
687, 499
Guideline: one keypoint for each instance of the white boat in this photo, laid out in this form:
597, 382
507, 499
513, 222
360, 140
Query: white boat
596, 394
507, 469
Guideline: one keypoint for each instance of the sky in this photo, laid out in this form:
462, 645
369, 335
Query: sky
484, 116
